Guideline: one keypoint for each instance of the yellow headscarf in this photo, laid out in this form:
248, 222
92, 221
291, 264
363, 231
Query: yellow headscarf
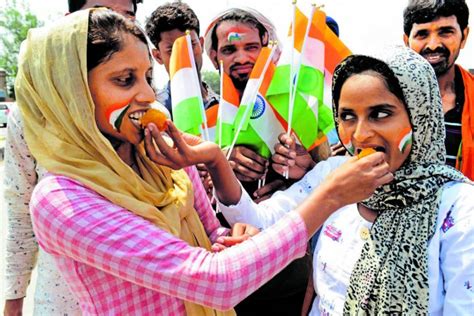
61, 132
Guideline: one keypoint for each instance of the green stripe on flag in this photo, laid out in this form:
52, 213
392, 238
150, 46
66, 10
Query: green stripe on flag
227, 134
251, 139
305, 123
187, 115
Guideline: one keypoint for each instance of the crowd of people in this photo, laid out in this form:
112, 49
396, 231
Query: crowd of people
124, 219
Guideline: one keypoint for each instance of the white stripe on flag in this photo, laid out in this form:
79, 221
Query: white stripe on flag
314, 53
229, 111
267, 125
183, 87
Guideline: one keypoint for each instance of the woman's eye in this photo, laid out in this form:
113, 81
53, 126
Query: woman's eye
345, 116
125, 81
380, 114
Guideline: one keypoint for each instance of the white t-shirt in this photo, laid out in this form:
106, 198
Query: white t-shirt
450, 251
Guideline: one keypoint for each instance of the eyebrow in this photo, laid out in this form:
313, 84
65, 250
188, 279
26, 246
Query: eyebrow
123, 71
371, 108
383, 105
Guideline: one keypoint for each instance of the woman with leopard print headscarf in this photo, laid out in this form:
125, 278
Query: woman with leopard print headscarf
408, 248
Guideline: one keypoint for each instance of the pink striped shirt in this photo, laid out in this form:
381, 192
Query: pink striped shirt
117, 263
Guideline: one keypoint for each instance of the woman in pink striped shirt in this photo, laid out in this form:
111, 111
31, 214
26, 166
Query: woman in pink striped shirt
130, 235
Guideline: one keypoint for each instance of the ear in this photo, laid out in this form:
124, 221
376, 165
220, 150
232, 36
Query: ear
213, 57
157, 55
201, 41
405, 40
465, 33
265, 38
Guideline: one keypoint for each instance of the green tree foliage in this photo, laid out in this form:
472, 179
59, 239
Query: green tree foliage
15, 21
212, 78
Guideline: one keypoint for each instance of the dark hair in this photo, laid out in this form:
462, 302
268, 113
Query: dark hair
76, 5
170, 16
424, 11
106, 34
358, 64
241, 16
332, 24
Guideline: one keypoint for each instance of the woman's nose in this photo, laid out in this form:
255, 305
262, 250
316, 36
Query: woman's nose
146, 94
363, 131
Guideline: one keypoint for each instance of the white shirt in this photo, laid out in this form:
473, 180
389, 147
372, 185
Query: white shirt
52, 296
450, 251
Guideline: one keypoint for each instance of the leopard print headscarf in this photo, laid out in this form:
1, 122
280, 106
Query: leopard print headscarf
391, 275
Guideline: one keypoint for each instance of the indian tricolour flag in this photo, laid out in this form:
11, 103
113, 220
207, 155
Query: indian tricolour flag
307, 53
256, 124
226, 112
186, 98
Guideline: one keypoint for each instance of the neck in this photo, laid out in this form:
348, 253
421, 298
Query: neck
240, 92
203, 90
368, 214
125, 150
447, 89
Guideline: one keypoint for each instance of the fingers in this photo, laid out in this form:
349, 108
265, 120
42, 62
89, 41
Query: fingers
175, 135
287, 140
238, 229
245, 174
151, 151
230, 241
338, 150
386, 178
216, 247
248, 158
269, 188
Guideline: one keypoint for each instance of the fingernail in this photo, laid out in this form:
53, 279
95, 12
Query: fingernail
146, 131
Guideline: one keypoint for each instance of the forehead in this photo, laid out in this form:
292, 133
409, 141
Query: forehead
134, 54
120, 6
367, 89
168, 37
440, 22
246, 33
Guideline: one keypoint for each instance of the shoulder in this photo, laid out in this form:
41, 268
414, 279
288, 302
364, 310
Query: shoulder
55, 191
15, 119
457, 206
467, 77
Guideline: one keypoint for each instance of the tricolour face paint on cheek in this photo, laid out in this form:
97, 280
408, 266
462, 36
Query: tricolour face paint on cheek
346, 141
115, 114
405, 139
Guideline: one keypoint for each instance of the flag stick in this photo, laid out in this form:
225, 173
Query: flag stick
290, 95
219, 111
250, 106
294, 87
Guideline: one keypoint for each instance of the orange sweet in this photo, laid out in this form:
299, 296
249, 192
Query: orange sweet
154, 116
366, 152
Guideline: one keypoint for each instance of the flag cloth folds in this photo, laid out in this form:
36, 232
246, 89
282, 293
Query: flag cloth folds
225, 112
312, 117
187, 105
256, 119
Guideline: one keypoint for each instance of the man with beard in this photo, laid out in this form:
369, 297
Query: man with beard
251, 31
438, 30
